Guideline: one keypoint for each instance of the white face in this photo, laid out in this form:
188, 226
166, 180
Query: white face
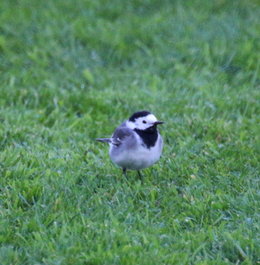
142, 123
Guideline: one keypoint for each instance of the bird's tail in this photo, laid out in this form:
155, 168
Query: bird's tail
104, 140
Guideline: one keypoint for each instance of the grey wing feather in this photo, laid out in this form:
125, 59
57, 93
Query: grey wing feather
121, 133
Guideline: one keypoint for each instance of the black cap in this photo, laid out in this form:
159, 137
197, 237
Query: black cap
139, 114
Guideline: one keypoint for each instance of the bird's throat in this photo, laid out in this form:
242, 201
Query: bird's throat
149, 136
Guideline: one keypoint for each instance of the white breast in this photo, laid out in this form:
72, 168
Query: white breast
139, 157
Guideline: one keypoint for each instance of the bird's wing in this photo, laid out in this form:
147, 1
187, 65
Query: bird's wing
120, 134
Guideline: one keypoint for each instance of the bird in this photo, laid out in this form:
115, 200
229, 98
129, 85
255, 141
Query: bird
136, 144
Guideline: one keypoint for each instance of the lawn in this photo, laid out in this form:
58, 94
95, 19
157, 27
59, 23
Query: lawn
71, 71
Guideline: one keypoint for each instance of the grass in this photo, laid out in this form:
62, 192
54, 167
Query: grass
72, 71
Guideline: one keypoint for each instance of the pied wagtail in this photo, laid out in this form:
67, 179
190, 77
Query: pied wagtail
136, 143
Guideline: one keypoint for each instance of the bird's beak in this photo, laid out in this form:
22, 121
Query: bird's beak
158, 122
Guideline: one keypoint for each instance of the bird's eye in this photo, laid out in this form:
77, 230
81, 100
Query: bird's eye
144, 121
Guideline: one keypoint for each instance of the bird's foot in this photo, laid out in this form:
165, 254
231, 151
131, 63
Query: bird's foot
140, 175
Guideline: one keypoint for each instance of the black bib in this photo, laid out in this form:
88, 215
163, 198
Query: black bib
149, 136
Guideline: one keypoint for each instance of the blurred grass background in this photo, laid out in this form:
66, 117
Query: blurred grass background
71, 71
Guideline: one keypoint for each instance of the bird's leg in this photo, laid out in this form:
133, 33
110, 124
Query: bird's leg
124, 172
140, 175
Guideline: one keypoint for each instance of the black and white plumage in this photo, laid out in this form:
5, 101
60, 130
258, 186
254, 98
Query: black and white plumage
136, 144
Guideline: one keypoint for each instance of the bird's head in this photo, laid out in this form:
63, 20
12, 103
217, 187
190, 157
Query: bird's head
143, 120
